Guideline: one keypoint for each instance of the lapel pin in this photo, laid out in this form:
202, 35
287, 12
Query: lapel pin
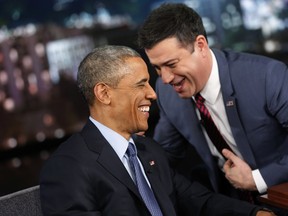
230, 103
152, 163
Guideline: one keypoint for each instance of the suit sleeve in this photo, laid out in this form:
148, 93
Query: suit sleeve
277, 103
64, 189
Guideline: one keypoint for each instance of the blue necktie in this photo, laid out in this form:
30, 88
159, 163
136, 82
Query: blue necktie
143, 187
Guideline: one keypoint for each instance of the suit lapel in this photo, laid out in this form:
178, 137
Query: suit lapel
238, 131
107, 156
230, 103
186, 125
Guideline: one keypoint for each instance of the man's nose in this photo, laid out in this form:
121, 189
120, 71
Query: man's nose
151, 93
166, 75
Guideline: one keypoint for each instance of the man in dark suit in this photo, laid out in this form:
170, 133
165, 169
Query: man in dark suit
246, 96
90, 173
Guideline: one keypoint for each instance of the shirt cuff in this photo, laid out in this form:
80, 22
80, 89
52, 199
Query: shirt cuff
259, 181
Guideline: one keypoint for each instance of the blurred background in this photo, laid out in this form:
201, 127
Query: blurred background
42, 43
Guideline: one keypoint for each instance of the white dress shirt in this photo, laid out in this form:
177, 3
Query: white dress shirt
215, 105
120, 145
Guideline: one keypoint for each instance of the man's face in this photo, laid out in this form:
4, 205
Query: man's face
132, 99
187, 69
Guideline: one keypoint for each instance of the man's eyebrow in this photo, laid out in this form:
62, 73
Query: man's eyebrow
164, 63
142, 81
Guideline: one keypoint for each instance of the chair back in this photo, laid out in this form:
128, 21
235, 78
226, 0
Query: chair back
25, 202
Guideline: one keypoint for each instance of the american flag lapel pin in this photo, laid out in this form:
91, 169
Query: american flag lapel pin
230, 103
152, 163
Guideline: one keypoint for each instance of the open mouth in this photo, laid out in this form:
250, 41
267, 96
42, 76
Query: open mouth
178, 86
144, 108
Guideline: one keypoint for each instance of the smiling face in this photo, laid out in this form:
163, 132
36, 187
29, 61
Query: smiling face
131, 99
187, 69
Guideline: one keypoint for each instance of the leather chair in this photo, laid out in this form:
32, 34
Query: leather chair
25, 202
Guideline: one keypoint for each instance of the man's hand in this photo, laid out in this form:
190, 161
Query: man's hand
238, 172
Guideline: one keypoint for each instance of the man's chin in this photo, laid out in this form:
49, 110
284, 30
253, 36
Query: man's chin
183, 95
141, 133
142, 129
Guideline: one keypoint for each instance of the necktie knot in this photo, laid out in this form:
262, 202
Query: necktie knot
131, 151
199, 98
201, 107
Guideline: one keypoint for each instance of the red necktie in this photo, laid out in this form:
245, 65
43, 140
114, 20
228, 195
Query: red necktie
208, 123
216, 137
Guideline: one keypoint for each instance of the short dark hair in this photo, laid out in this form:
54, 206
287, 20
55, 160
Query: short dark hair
171, 20
105, 64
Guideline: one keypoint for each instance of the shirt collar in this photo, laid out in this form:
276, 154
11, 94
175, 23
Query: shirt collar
117, 142
212, 88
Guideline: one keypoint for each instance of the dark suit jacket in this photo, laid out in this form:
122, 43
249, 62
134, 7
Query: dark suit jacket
255, 94
86, 177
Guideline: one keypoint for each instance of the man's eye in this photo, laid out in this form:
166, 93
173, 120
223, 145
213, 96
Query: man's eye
140, 85
171, 65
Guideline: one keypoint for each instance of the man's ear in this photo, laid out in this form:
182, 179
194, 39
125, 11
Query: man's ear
201, 45
200, 41
102, 94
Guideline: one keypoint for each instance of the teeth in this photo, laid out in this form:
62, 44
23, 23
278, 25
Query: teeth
178, 84
144, 109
